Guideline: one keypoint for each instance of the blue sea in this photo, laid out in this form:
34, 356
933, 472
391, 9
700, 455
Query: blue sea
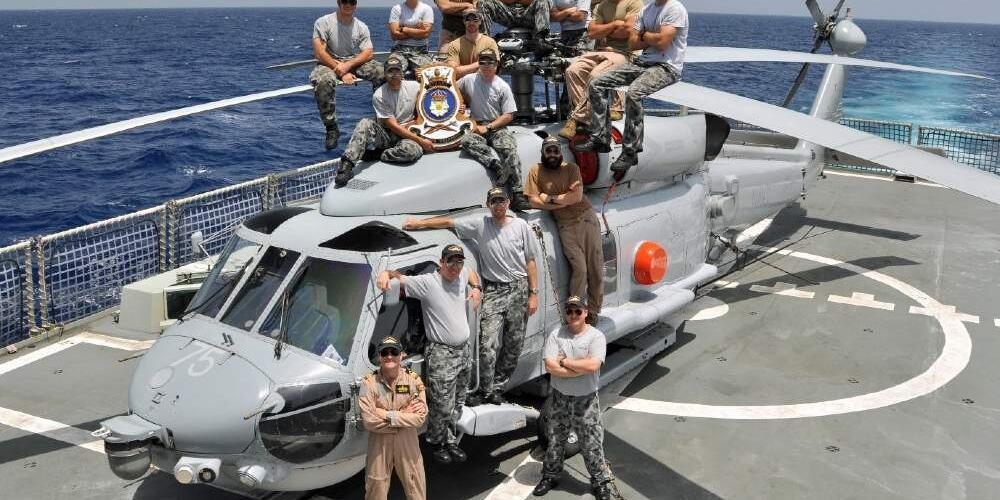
67, 70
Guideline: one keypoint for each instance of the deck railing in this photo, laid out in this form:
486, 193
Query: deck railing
68, 276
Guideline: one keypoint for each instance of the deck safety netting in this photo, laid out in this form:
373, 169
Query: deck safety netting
216, 214
13, 308
977, 150
893, 131
84, 269
303, 184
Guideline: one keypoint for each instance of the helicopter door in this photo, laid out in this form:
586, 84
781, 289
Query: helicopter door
405, 321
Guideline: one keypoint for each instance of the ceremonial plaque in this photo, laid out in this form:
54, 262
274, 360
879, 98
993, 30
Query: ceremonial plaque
438, 108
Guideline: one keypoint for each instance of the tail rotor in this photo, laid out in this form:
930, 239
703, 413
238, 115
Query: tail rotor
823, 29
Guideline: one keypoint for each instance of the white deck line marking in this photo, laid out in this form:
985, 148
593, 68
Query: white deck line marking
529, 470
880, 178
861, 299
728, 284
953, 359
781, 288
80, 338
943, 310
710, 312
996, 322
39, 425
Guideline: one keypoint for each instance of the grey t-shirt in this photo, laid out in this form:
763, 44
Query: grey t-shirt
443, 304
486, 100
673, 13
406, 17
399, 104
583, 5
590, 342
343, 41
504, 250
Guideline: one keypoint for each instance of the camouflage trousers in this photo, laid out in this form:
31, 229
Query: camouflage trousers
507, 168
447, 384
324, 81
413, 57
535, 16
370, 135
642, 81
583, 415
502, 319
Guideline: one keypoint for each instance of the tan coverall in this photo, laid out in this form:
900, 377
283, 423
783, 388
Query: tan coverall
393, 415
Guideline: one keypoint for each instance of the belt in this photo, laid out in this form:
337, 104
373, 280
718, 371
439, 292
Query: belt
501, 284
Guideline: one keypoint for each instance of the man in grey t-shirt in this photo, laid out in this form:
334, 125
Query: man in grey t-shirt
510, 287
410, 25
661, 32
443, 295
573, 355
343, 49
395, 104
491, 104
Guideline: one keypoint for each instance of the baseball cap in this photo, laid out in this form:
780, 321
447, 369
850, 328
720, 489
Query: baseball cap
575, 301
452, 250
393, 62
389, 342
488, 54
549, 141
497, 192
472, 11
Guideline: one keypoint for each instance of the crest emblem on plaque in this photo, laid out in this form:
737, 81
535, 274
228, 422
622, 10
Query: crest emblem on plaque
438, 118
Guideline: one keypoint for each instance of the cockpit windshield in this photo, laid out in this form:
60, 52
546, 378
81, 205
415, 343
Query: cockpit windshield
227, 272
323, 308
272, 269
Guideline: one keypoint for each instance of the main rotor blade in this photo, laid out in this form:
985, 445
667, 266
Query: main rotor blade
738, 54
834, 136
293, 64
42, 145
816, 12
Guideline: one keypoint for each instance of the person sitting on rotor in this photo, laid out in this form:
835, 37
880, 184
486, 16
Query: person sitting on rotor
344, 53
395, 104
661, 32
491, 104
573, 17
531, 14
463, 52
410, 25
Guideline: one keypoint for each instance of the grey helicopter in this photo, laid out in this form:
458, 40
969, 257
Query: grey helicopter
256, 388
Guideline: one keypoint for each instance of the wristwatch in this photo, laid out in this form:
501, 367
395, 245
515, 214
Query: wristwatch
533, 291
489, 127
473, 285
561, 362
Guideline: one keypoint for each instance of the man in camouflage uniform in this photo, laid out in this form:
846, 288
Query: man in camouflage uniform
395, 104
490, 101
661, 32
443, 295
393, 407
343, 49
510, 287
573, 355
531, 14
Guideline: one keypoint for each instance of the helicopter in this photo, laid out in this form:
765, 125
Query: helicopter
256, 388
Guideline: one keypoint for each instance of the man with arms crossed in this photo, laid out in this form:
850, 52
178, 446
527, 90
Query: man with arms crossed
452, 25
463, 52
443, 295
410, 25
395, 103
510, 287
556, 186
661, 32
393, 408
343, 49
573, 355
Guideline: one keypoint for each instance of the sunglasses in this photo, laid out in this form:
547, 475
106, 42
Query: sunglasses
455, 264
385, 353
494, 201
348, 2
487, 62
470, 19
574, 312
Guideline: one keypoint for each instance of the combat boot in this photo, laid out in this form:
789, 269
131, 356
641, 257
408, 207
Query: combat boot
332, 138
569, 129
544, 486
457, 455
440, 454
624, 162
495, 398
345, 174
594, 144
518, 202
602, 491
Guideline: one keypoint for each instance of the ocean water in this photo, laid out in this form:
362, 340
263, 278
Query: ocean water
67, 70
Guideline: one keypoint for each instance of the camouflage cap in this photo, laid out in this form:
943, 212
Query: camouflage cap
549, 141
575, 301
393, 62
472, 11
487, 54
497, 192
389, 342
452, 251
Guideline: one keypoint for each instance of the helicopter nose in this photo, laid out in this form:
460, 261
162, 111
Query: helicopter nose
202, 393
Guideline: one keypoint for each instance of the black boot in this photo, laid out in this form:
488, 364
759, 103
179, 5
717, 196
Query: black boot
544, 486
624, 162
594, 144
457, 455
440, 454
345, 174
518, 202
495, 398
602, 491
332, 137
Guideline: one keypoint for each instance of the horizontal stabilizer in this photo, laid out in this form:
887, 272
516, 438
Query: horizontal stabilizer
696, 55
42, 145
834, 136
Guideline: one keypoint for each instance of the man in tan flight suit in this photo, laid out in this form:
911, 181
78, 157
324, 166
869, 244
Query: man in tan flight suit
393, 407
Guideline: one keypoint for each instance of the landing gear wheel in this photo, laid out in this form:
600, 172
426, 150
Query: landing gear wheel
541, 430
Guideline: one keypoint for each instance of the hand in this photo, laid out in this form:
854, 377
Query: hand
411, 224
461, 109
340, 68
427, 145
349, 78
476, 297
383, 279
381, 413
415, 406
532, 303
480, 129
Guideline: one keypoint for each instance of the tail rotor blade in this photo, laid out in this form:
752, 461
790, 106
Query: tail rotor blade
802, 75
836, 12
817, 13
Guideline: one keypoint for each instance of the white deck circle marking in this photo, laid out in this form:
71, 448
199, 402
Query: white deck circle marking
711, 312
953, 359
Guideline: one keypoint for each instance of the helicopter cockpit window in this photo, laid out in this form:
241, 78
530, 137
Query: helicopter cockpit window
323, 308
225, 274
260, 287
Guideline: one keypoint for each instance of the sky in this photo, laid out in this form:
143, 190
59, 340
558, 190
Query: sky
980, 11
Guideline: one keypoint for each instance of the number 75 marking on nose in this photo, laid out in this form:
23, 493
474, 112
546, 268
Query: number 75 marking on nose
204, 362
